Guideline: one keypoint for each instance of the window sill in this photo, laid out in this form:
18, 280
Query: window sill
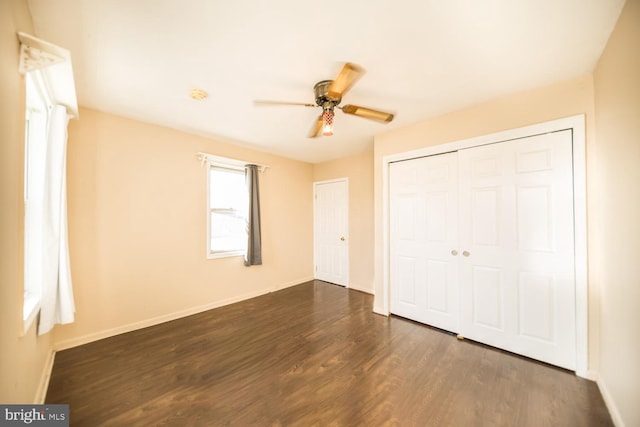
215, 255
30, 312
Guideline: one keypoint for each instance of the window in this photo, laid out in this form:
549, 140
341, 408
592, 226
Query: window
228, 210
37, 116
50, 104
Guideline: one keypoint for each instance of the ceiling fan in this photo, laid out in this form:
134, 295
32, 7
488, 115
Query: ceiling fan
329, 94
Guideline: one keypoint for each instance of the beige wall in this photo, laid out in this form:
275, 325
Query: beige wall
617, 230
540, 105
137, 227
359, 170
22, 359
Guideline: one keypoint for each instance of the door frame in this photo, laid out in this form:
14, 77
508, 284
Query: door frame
574, 123
346, 221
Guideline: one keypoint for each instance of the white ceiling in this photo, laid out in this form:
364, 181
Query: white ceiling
140, 59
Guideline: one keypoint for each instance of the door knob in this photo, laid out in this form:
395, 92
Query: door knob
466, 253
454, 252
342, 238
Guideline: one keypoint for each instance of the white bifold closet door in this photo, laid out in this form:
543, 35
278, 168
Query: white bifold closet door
509, 279
424, 232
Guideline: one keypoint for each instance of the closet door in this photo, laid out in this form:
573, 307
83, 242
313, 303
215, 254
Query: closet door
517, 245
424, 264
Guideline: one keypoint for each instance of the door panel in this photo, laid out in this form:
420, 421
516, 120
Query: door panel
534, 222
331, 246
486, 294
437, 290
423, 214
407, 282
485, 208
536, 299
516, 224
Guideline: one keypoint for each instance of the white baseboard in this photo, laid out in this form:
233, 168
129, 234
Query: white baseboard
610, 403
45, 377
293, 283
586, 374
85, 339
590, 375
378, 310
361, 289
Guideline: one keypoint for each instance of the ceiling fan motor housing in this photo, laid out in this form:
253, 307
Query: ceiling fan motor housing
321, 90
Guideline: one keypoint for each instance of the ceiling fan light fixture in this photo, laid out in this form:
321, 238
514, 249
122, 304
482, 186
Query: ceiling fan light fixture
198, 94
327, 122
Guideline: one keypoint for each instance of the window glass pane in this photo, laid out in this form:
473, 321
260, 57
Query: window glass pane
34, 182
228, 210
228, 189
228, 232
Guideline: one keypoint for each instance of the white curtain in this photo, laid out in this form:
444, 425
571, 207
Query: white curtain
57, 305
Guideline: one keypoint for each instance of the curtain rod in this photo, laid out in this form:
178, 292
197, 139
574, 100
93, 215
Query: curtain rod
227, 161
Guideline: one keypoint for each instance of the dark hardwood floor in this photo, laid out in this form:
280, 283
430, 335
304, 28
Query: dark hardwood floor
312, 355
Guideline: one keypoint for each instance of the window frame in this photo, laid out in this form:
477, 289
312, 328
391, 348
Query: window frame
231, 167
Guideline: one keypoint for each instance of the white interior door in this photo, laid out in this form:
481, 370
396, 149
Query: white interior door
331, 231
517, 241
424, 240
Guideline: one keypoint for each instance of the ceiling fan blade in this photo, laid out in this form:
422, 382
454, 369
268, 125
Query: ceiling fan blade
347, 77
316, 129
367, 113
265, 102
